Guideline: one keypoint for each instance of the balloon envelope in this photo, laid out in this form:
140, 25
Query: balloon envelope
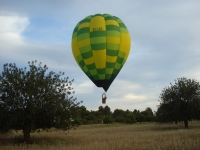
101, 45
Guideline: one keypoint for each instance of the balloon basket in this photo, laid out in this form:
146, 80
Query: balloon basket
104, 98
103, 101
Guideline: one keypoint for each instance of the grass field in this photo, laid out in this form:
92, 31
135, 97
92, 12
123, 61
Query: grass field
111, 137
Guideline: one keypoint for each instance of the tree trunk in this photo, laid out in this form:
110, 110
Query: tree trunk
186, 123
27, 136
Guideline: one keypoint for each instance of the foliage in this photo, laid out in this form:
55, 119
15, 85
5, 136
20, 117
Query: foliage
148, 112
140, 118
150, 118
180, 102
33, 98
130, 118
105, 111
94, 117
85, 116
119, 115
107, 120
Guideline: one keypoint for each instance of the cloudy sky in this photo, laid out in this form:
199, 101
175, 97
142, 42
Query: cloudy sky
165, 44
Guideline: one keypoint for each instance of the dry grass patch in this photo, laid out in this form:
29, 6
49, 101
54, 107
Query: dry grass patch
114, 137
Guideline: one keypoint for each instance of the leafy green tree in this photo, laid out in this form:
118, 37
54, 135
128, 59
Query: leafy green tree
127, 112
135, 111
34, 98
83, 112
118, 112
91, 118
101, 111
140, 117
130, 118
180, 102
149, 111
99, 117
107, 111
77, 121
119, 115
107, 120
94, 117
149, 118
104, 111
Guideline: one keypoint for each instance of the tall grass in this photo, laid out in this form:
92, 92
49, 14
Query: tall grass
112, 137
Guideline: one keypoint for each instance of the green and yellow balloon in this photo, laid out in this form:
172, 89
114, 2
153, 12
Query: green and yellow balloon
101, 45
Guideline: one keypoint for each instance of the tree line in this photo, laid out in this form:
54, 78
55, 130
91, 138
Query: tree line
82, 116
33, 97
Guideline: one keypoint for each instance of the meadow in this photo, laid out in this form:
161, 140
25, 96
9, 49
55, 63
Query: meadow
149, 136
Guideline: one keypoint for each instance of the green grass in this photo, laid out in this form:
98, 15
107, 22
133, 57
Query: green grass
111, 137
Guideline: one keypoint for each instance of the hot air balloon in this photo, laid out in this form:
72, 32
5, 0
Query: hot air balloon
100, 46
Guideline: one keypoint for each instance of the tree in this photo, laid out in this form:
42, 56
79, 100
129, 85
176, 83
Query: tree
180, 102
33, 98
107, 111
101, 111
135, 111
130, 118
107, 120
119, 115
148, 113
83, 112
149, 118
104, 111
140, 117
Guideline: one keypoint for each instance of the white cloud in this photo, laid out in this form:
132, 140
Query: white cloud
14, 47
11, 39
134, 97
84, 87
11, 29
120, 86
